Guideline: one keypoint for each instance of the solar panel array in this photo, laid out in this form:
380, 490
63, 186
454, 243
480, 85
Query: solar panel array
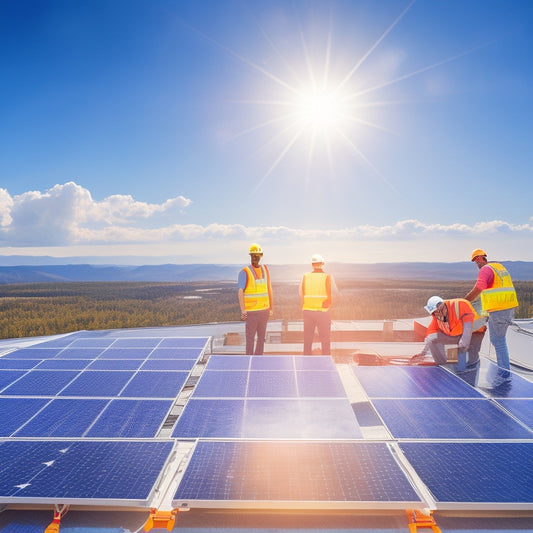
80, 417
472, 447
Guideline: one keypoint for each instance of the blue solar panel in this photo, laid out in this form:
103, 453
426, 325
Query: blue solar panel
34, 353
117, 472
412, 382
40, 383
115, 364
131, 419
175, 353
522, 409
272, 418
184, 342
272, 362
516, 387
169, 364
140, 342
210, 418
80, 353
222, 384
274, 384
322, 473
91, 343
448, 419
314, 384
228, 362
98, 383
18, 364
16, 411
489, 472
318, 362
63, 364
126, 353
155, 384
63, 418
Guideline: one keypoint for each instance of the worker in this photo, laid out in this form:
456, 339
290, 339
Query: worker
315, 292
498, 299
255, 300
453, 322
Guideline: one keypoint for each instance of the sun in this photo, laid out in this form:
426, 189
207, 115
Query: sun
320, 109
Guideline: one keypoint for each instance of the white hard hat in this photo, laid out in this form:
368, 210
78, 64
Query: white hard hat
317, 258
433, 303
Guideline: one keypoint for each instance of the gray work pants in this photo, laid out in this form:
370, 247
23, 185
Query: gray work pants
256, 324
437, 341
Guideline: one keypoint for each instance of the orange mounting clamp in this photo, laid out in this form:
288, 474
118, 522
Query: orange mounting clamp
421, 519
59, 513
161, 519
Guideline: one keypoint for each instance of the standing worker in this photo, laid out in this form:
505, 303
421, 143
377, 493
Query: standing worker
255, 300
315, 292
498, 300
453, 322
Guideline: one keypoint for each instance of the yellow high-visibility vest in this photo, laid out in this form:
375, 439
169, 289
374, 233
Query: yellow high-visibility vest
314, 291
256, 292
502, 294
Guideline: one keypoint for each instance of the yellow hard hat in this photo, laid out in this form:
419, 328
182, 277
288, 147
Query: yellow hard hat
476, 252
255, 249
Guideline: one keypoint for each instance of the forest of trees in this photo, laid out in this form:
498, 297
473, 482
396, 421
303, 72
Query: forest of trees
49, 308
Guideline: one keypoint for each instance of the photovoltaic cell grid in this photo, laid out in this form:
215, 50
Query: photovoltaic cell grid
282, 397
95, 373
118, 473
301, 475
492, 475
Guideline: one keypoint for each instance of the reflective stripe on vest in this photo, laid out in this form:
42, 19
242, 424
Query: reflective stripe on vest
314, 291
256, 291
502, 294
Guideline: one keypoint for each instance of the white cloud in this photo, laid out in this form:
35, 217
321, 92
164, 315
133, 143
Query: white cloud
66, 216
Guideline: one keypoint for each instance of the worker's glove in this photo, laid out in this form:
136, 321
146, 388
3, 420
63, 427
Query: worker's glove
463, 345
464, 341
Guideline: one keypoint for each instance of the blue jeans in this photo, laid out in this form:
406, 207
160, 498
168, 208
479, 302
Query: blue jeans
499, 321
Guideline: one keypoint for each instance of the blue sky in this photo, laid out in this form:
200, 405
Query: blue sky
365, 130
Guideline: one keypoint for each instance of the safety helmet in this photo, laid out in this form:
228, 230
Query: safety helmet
317, 258
255, 249
433, 303
476, 252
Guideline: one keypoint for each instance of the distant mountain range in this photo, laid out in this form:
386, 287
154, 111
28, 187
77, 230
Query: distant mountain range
519, 270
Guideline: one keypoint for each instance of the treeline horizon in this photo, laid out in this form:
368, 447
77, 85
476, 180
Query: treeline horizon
37, 309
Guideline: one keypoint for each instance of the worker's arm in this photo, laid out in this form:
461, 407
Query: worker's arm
464, 341
241, 304
473, 294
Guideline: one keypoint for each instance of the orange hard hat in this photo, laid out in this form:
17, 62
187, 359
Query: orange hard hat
476, 252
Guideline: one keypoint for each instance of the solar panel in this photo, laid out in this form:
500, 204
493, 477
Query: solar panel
169, 364
491, 475
107, 473
228, 362
324, 384
139, 342
34, 353
268, 418
412, 382
41, 383
448, 419
272, 362
317, 362
184, 342
80, 353
63, 418
217, 384
156, 384
97, 383
8, 377
176, 353
115, 364
14, 412
126, 353
63, 364
131, 419
6, 363
273, 384
521, 409
294, 475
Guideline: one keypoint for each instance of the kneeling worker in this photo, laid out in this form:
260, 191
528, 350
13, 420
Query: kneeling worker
453, 322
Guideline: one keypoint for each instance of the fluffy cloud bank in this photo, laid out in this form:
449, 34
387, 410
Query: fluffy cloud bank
67, 215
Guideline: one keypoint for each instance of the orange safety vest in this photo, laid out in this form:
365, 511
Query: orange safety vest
502, 294
458, 310
256, 292
315, 291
